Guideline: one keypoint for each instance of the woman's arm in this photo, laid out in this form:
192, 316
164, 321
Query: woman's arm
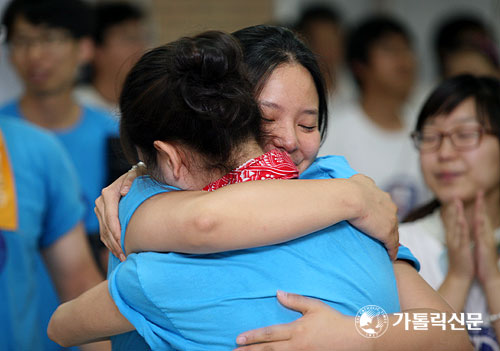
323, 328
93, 316
356, 199
255, 214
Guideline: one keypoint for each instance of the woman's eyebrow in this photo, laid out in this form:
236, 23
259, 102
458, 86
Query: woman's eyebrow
467, 119
311, 111
270, 104
459, 119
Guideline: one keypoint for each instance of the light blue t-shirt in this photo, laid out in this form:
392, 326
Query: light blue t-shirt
85, 143
48, 205
202, 302
141, 190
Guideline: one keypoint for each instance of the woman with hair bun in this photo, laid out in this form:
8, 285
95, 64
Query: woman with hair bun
188, 112
184, 106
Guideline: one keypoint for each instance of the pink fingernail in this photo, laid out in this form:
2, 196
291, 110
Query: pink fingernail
122, 257
241, 340
281, 293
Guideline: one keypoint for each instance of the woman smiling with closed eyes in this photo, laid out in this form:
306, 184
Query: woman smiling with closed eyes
289, 90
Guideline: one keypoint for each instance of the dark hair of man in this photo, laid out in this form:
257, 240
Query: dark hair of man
316, 13
75, 16
364, 36
111, 14
464, 32
446, 97
267, 47
193, 92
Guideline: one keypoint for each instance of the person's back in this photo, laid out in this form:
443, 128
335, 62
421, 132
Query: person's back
201, 302
87, 145
47, 207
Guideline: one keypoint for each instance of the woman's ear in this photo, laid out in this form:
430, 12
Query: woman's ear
86, 49
171, 155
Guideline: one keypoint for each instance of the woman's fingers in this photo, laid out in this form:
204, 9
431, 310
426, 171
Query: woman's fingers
126, 181
298, 303
377, 215
106, 209
272, 346
482, 228
279, 332
462, 235
107, 238
110, 201
486, 256
392, 245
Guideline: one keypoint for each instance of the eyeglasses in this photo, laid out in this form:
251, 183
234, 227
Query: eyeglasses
462, 138
51, 40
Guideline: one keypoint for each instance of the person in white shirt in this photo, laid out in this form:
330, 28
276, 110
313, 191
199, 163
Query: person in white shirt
120, 39
372, 131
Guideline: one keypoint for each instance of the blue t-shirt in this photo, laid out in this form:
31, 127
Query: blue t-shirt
85, 143
202, 302
133, 340
48, 206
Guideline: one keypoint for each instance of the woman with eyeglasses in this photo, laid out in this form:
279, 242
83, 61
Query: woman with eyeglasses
456, 237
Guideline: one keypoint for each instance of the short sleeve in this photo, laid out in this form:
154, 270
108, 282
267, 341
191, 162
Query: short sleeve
328, 167
126, 290
64, 202
142, 189
405, 254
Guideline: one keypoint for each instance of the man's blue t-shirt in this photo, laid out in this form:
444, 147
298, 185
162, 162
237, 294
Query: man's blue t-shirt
202, 302
85, 143
48, 206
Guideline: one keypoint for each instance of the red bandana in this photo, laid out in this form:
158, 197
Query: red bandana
274, 164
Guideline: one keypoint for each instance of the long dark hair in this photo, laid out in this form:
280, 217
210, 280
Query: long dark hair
267, 47
193, 91
446, 97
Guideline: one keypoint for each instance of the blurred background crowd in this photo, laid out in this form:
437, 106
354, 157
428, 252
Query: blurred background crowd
379, 58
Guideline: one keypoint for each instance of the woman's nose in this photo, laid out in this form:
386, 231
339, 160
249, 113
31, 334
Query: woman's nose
286, 140
446, 149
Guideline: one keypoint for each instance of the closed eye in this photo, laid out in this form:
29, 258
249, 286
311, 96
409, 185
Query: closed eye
308, 128
267, 119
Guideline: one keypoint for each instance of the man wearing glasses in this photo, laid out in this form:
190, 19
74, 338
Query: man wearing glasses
48, 41
41, 211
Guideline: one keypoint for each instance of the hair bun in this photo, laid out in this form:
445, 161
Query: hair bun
209, 56
193, 91
209, 65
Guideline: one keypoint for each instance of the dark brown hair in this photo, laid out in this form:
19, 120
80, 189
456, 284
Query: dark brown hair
194, 92
267, 47
446, 97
